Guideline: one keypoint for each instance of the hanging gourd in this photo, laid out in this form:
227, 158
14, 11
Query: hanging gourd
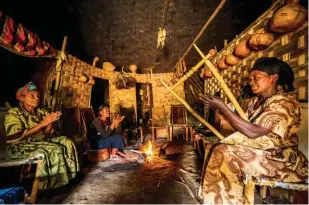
133, 68
231, 60
288, 18
212, 53
261, 39
107, 66
208, 73
242, 49
221, 64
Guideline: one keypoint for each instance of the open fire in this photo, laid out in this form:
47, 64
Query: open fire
148, 150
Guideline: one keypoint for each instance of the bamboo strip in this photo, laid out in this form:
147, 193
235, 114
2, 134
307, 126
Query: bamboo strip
223, 85
188, 74
210, 127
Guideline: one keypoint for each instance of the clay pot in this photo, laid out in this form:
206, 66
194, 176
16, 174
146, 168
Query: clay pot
231, 60
221, 64
83, 78
91, 81
133, 68
108, 66
242, 50
260, 40
288, 18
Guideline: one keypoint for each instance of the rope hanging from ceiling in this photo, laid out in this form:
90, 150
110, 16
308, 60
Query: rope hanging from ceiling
162, 32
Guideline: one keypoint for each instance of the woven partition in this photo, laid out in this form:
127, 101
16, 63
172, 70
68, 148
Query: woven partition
291, 48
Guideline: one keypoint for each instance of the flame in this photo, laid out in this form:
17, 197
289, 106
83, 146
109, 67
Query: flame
147, 149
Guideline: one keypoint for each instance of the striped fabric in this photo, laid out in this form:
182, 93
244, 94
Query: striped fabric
17, 39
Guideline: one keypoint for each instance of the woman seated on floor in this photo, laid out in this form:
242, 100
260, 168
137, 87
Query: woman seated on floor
107, 133
266, 146
29, 131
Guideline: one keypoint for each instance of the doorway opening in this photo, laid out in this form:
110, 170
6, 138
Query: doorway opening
99, 93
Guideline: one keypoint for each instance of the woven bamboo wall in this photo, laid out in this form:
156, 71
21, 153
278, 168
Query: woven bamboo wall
74, 93
291, 48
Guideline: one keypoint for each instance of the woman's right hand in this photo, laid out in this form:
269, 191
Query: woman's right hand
117, 120
52, 117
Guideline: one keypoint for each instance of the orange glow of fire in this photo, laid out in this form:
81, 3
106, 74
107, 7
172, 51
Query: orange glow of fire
147, 149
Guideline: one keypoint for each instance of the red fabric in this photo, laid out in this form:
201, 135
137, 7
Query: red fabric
16, 38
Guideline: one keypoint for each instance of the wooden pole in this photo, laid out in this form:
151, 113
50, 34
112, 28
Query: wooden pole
223, 85
58, 74
195, 114
188, 74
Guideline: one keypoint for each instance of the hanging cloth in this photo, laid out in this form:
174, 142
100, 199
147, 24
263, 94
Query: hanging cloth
17, 39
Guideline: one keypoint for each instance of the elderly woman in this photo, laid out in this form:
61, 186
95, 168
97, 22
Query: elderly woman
107, 133
265, 146
29, 131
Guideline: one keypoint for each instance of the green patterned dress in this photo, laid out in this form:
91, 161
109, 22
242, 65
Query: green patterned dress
60, 154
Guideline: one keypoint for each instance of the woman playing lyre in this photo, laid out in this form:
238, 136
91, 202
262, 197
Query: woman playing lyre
29, 131
263, 147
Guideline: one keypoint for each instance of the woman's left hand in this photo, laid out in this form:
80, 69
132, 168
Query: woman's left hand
212, 101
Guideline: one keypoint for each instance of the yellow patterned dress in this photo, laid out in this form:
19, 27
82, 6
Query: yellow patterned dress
274, 156
60, 155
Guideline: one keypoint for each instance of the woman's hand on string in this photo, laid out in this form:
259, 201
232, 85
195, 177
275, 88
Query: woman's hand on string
52, 117
212, 101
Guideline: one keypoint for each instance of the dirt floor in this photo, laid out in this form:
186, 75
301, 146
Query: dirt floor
172, 180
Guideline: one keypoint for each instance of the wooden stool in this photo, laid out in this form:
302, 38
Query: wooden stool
96, 156
251, 182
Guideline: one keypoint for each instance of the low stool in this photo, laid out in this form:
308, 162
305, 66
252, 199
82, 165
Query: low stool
96, 156
251, 182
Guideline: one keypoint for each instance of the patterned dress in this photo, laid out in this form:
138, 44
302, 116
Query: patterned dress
273, 157
60, 155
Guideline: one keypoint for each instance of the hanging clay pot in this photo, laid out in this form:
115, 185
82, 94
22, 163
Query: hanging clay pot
260, 40
107, 66
242, 50
83, 78
221, 64
288, 18
91, 81
231, 60
133, 68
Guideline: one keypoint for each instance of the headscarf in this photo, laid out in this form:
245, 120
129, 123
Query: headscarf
273, 66
23, 90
